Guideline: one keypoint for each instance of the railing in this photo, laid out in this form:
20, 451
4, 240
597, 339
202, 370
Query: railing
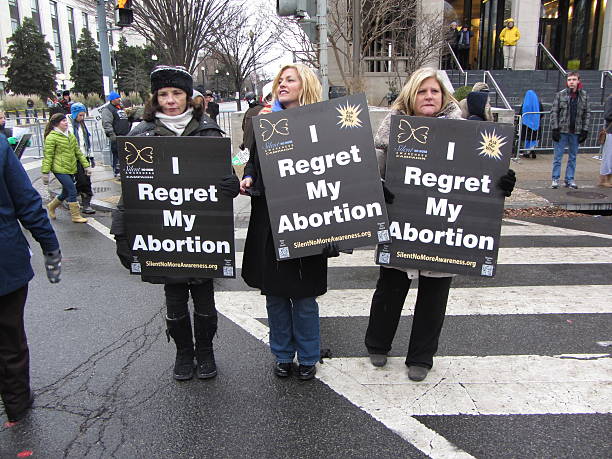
462, 73
498, 92
543, 52
543, 139
605, 75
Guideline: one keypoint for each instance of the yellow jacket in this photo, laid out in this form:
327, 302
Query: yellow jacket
509, 37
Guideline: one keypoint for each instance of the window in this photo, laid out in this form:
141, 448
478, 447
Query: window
14, 10
85, 21
36, 14
71, 31
110, 33
57, 43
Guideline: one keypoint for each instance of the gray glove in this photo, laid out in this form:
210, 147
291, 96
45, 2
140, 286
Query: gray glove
53, 264
45, 179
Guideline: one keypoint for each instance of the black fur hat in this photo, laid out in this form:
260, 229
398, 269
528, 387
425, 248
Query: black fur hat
167, 76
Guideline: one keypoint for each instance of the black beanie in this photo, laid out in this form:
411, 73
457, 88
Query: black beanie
166, 76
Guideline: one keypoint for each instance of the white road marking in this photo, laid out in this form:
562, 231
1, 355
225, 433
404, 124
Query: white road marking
32, 165
491, 385
558, 299
547, 228
102, 229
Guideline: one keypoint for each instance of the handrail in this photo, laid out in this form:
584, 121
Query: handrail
457, 63
604, 74
560, 70
498, 91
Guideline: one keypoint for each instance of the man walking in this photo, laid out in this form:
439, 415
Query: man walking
569, 122
115, 122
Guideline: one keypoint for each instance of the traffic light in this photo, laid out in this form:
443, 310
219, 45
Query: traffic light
124, 15
299, 9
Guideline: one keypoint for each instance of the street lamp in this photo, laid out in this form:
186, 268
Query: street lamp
62, 78
227, 84
217, 81
252, 37
203, 69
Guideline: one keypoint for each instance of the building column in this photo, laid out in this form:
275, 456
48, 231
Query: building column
526, 14
605, 53
430, 10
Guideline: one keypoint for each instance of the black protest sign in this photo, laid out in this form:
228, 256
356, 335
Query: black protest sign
178, 223
321, 177
448, 207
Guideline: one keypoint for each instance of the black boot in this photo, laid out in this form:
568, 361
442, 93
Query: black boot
86, 204
205, 328
180, 331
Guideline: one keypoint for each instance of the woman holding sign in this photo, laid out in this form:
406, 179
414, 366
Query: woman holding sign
171, 112
291, 286
423, 95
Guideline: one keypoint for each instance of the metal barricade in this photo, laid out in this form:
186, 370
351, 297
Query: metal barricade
544, 136
224, 120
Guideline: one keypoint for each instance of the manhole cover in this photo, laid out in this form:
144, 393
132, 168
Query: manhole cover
101, 189
586, 195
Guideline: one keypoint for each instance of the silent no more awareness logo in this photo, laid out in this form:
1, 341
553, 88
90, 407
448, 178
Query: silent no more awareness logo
407, 132
269, 128
134, 154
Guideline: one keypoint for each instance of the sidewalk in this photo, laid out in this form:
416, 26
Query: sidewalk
532, 187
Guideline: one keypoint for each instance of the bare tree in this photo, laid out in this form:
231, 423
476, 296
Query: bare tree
180, 29
393, 32
244, 46
295, 41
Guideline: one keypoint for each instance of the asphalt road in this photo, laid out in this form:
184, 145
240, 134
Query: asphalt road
523, 369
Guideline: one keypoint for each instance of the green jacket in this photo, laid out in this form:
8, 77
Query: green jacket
61, 154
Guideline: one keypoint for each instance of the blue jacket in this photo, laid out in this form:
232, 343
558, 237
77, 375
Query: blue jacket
19, 202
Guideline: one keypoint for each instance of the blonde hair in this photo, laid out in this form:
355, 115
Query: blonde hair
311, 87
407, 96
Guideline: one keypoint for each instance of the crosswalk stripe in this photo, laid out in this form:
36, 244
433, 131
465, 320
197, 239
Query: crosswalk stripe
506, 256
491, 385
32, 165
562, 299
548, 228
506, 230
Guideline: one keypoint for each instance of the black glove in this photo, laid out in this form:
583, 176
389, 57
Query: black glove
389, 197
92, 161
241, 146
556, 135
123, 251
507, 182
53, 265
229, 186
331, 250
583, 136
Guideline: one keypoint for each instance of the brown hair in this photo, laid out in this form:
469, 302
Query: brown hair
54, 121
576, 74
152, 107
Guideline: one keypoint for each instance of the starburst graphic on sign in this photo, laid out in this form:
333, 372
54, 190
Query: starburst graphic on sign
491, 144
349, 116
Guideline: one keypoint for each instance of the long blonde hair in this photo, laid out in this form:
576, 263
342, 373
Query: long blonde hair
407, 96
311, 87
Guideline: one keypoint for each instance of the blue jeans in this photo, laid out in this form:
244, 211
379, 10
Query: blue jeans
69, 191
294, 326
571, 142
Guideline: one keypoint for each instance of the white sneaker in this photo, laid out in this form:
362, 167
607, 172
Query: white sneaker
554, 184
571, 184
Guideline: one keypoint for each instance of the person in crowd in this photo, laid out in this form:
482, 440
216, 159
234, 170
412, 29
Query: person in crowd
115, 122
170, 112
605, 172
20, 205
509, 37
7, 132
56, 107
531, 122
476, 104
77, 126
61, 155
30, 110
291, 286
479, 86
464, 39
570, 117
198, 98
210, 106
247, 125
423, 95
452, 35
65, 102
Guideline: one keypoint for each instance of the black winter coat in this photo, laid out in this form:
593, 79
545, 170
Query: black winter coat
205, 127
295, 278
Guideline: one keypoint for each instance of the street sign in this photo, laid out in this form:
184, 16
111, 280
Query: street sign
447, 211
321, 177
178, 223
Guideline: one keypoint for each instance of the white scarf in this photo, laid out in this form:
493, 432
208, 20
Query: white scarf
66, 133
176, 123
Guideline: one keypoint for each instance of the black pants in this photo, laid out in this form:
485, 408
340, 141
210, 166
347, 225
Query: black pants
14, 353
83, 181
177, 296
387, 303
